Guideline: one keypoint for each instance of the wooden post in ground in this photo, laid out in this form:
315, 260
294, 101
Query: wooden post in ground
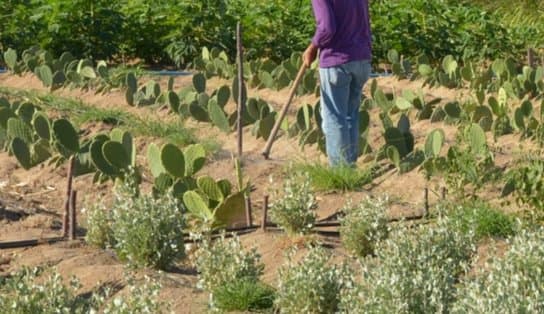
444, 193
531, 57
73, 215
65, 218
240, 88
426, 201
249, 212
265, 213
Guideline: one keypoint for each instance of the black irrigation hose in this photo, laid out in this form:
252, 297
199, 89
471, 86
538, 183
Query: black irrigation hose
29, 243
228, 232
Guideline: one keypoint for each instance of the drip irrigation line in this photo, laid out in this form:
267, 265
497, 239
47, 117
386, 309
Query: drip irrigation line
29, 243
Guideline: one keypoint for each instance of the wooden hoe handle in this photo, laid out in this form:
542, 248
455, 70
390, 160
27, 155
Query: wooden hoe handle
275, 129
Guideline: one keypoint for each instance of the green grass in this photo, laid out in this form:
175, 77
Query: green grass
81, 113
484, 220
244, 295
343, 178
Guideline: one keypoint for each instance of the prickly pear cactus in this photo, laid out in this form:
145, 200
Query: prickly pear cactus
10, 57
154, 160
173, 160
22, 152
434, 143
116, 155
195, 157
65, 134
197, 206
16, 128
98, 160
42, 126
199, 82
218, 116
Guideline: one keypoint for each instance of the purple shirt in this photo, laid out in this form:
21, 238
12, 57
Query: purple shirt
342, 32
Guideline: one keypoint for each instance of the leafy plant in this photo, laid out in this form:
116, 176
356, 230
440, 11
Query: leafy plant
99, 226
526, 180
312, 285
147, 231
415, 271
35, 291
343, 178
512, 283
364, 225
484, 221
224, 260
293, 207
24, 293
224, 266
244, 295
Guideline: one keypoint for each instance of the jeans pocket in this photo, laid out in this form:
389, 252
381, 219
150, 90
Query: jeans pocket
338, 77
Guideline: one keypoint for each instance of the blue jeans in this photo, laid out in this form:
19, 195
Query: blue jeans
341, 96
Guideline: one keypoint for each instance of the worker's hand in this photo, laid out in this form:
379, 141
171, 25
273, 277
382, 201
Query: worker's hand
309, 55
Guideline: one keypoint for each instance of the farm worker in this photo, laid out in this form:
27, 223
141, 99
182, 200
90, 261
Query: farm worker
343, 39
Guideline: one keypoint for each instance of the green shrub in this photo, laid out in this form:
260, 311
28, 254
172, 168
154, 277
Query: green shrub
293, 206
415, 271
99, 232
511, 284
312, 285
244, 295
32, 291
363, 225
148, 231
527, 179
224, 261
143, 297
482, 220
23, 293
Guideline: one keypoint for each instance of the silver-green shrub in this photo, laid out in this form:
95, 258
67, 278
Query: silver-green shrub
24, 293
32, 291
293, 207
415, 271
143, 297
148, 231
363, 225
312, 285
225, 261
99, 232
510, 284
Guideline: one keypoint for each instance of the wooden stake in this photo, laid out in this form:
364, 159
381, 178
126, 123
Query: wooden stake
240, 87
426, 201
444, 193
530, 57
65, 218
265, 213
249, 212
73, 215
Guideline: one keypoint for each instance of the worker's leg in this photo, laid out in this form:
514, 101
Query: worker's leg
360, 71
335, 90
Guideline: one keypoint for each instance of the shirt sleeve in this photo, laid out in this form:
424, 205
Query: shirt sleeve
325, 23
